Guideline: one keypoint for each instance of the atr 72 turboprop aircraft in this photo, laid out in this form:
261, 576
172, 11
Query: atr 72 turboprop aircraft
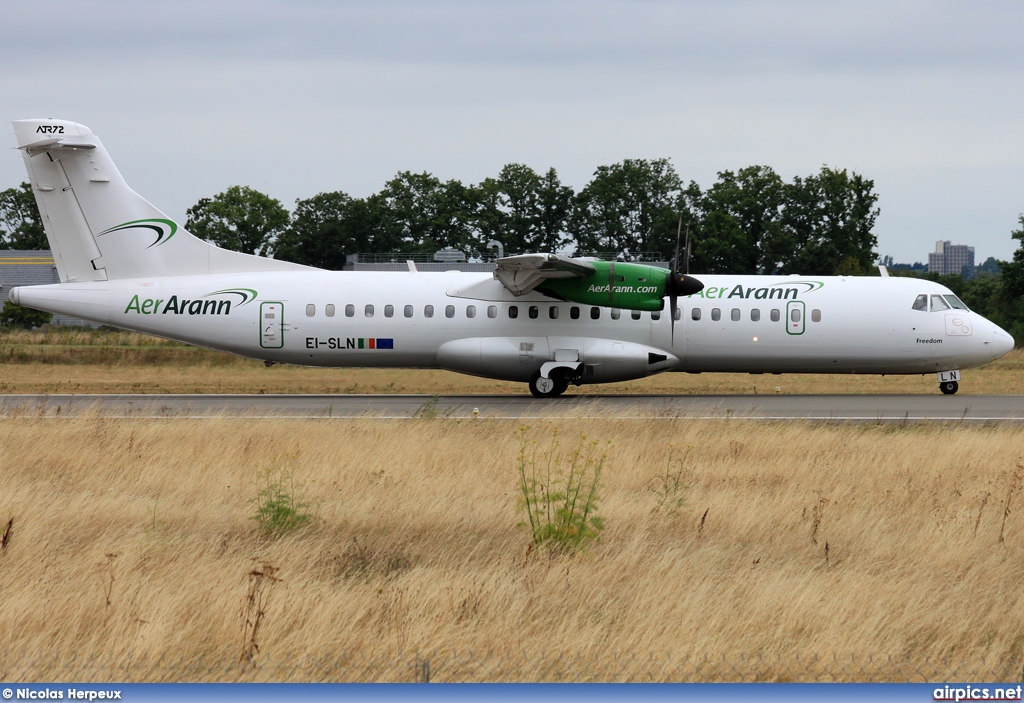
543, 319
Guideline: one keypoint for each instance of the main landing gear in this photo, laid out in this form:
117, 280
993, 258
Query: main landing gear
949, 387
551, 387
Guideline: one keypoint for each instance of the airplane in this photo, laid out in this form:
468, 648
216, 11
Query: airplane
544, 319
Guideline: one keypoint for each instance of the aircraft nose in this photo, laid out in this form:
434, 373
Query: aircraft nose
1002, 342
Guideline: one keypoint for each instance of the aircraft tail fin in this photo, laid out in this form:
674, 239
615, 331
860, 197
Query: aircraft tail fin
100, 229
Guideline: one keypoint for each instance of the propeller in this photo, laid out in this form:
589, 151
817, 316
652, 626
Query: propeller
677, 283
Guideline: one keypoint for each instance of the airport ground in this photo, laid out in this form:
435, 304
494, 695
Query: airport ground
66, 360
731, 551
786, 551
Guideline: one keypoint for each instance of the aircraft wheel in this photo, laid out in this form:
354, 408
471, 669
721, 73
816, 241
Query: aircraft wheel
561, 386
949, 387
545, 387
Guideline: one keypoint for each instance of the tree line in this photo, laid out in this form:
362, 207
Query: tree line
749, 221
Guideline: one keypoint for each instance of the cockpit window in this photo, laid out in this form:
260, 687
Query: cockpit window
921, 303
956, 303
939, 304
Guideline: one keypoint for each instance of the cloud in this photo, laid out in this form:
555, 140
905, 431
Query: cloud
300, 97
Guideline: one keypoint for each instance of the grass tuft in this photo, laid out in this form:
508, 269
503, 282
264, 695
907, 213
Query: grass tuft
278, 508
559, 491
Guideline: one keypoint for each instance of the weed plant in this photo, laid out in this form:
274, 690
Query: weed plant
671, 487
278, 509
559, 491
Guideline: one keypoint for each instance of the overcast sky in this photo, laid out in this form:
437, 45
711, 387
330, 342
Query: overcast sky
299, 97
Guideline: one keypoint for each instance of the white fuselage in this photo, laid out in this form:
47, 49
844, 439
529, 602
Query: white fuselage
122, 262
756, 324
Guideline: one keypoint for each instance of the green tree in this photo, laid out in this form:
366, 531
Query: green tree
419, 212
556, 202
982, 294
1013, 270
22, 227
1012, 289
990, 266
827, 222
523, 210
629, 207
240, 218
329, 226
738, 226
21, 317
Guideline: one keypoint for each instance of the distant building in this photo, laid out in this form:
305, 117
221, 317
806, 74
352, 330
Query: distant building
20, 267
950, 258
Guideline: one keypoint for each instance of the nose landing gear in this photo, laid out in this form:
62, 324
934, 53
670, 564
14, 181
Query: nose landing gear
949, 381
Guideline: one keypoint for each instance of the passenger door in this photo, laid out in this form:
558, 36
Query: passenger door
796, 314
271, 325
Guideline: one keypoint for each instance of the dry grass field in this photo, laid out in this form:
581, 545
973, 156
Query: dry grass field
66, 360
788, 552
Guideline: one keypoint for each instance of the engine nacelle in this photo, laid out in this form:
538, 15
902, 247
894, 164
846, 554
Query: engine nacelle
519, 358
613, 284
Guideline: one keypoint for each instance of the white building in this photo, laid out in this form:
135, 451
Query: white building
950, 258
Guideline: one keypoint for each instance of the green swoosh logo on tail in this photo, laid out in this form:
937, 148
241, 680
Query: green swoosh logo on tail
164, 229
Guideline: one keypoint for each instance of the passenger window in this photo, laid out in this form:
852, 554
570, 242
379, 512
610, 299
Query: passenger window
408, 310
329, 310
513, 312
428, 311
695, 314
389, 311
595, 313
775, 315
310, 310
815, 315
939, 304
492, 311
616, 313
678, 313
553, 312
534, 312
449, 311
755, 315
574, 312
471, 311
716, 314
735, 314
656, 315
350, 310
794, 314
921, 303
369, 311
635, 314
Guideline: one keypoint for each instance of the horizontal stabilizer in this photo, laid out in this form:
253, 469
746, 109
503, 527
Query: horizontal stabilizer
44, 145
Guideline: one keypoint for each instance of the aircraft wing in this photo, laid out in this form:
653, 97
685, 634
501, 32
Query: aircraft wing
521, 274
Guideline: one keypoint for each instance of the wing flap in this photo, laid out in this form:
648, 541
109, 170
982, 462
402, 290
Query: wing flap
521, 274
